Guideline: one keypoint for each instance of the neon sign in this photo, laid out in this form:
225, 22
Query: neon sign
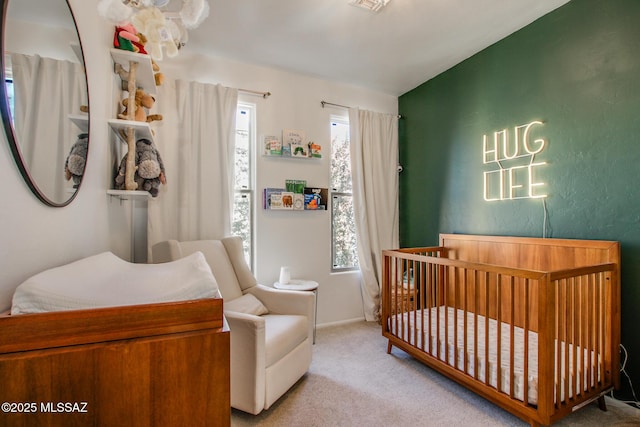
515, 171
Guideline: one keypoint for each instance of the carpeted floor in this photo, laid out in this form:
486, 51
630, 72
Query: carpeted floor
354, 382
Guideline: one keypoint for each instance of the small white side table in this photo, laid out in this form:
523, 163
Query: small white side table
303, 285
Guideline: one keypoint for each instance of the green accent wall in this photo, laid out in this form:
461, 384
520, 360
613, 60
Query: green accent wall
576, 69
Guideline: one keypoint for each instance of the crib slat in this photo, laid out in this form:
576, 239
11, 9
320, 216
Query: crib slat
499, 332
465, 311
599, 322
565, 360
560, 299
511, 338
573, 380
475, 323
456, 301
589, 329
486, 328
525, 372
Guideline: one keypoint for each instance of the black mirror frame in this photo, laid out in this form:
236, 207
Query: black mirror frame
8, 126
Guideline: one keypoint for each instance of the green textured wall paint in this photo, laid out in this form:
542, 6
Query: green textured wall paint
576, 69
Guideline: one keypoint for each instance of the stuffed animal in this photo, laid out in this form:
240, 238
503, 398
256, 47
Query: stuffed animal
152, 23
139, 45
125, 37
193, 12
157, 75
76, 160
114, 11
124, 75
150, 172
143, 101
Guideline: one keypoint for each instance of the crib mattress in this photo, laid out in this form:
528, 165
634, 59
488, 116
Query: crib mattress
409, 326
104, 280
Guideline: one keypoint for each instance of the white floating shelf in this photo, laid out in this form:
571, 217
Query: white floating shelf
129, 194
80, 120
145, 78
143, 129
77, 50
278, 156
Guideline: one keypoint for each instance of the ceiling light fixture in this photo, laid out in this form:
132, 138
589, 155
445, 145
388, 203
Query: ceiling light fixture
371, 5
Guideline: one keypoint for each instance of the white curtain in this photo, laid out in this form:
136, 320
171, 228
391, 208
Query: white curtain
196, 140
374, 163
46, 91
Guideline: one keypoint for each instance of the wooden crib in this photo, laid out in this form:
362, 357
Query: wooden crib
531, 324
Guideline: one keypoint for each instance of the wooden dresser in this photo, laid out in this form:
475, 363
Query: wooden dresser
147, 365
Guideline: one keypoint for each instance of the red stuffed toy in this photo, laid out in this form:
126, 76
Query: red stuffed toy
126, 37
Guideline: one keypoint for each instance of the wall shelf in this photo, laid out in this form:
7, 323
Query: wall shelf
77, 50
279, 156
129, 194
145, 78
278, 199
81, 121
142, 129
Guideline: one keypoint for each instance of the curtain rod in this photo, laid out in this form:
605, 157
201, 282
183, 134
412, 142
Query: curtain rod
265, 95
323, 103
335, 105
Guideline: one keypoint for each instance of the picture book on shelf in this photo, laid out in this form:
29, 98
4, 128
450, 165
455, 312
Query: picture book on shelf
272, 146
295, 140
315, 198
268, 198
298, 201
315, 150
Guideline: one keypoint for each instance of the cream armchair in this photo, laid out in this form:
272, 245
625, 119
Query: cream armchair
271, 330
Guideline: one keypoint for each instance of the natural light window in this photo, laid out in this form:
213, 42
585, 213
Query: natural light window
242, 221
343, 253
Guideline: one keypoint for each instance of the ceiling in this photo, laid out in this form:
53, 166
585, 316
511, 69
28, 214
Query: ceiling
392, 51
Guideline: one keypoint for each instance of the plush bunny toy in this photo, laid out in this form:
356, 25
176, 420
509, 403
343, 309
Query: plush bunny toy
76, 160
150, 173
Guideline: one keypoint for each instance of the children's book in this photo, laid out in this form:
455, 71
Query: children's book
272, 146
295, 140
315, 198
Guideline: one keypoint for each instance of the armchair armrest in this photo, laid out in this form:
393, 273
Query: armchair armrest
284, 301
248, 361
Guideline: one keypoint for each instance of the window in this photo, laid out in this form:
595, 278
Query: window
344, 254
242, 221
8, 84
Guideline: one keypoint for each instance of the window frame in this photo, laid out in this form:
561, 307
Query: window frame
336, 194
250, 191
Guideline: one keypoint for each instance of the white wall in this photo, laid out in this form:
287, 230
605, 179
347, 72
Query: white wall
300, 240
35, 237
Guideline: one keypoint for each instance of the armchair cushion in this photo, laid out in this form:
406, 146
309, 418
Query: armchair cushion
283, 333
246, 304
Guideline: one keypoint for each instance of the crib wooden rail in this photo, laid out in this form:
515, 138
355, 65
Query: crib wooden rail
537, 342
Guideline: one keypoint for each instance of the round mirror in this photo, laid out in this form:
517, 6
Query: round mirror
44, 99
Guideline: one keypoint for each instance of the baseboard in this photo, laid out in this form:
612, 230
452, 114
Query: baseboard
340, 322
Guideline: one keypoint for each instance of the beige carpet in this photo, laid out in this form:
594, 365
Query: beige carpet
354, 382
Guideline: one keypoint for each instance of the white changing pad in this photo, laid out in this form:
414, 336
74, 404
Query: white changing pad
104, 280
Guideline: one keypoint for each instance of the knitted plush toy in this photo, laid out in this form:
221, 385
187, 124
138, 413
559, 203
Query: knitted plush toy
76, 160
150, 173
